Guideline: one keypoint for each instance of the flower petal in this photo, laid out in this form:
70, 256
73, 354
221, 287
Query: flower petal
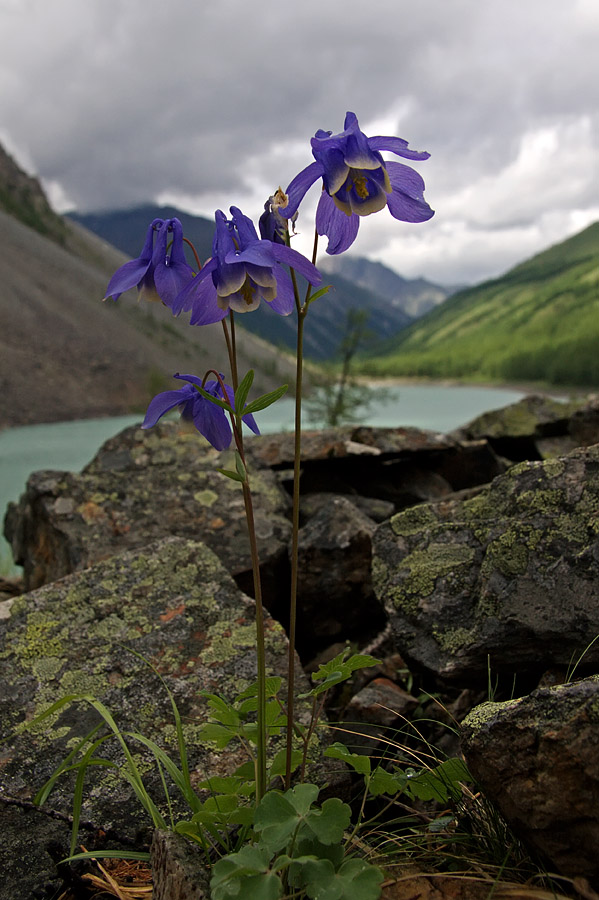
340, 229
205, 309
212, 422
164, 402
298, 187
406, 201
259, 253
190, 293
284, 302
396, 145
295, 260
127, 277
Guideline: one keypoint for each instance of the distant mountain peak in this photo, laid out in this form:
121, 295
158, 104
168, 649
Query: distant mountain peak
415, 297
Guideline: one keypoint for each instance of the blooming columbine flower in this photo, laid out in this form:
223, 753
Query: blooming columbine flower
357, 181
243, 271
160, 272
209, 419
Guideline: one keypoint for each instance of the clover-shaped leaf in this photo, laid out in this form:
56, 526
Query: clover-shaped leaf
355, 879
358, 762
281, 817
245, 875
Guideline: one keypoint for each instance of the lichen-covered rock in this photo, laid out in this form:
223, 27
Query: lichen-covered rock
508, 578
537, 759
139, 487
172, 603
536, 427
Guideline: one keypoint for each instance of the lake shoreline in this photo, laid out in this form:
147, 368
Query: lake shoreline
564, 392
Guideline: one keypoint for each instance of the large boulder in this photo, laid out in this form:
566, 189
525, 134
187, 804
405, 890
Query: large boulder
141, 486
507, 579
536, 427
174, 605
537, 759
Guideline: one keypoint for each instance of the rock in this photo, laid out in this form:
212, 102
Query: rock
537, 759
334, 576
532, 428
172, 603
378, 711
507, 578
377, 510
397, 465
139, 487
178, 870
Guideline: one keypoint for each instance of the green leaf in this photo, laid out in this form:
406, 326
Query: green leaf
219, 735
358, 762
319, 293
245, 875
234, 475
241, 394
441, 783
239, 467
278, 815
265, 400
272, 687
216, 400
221, 710
339, 669
383, 782
279, 763
355, 879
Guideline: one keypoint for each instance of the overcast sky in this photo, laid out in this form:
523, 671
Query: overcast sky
212, 103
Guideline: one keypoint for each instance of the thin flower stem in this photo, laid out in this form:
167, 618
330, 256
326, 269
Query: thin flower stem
249, 515
299, 363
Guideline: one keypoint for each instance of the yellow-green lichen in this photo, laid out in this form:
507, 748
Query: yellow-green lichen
438, 560
206, 497
452, 640
46, 667
414, 520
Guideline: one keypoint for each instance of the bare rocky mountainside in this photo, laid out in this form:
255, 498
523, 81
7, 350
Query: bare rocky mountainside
63, 353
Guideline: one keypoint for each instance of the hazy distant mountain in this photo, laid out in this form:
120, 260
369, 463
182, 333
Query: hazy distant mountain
538, 322
361, 284
63, 353
415, 297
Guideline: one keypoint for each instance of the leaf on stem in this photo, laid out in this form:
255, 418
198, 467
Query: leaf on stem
265, 400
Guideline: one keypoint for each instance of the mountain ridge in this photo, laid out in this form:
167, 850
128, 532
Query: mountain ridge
537, 323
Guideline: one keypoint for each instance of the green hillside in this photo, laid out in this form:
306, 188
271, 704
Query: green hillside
539, 322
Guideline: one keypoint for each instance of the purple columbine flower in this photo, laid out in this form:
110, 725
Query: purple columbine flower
243, 271
209, 419
161, 271
357, 181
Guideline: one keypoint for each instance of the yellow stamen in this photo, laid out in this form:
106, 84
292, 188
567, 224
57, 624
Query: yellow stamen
361, 187
247, 291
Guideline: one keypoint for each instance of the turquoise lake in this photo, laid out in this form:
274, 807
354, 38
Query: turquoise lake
69, 446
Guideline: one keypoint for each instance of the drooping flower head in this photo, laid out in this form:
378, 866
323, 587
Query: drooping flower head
161, 271
273, 226
357, 181
210, 420
243, 271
